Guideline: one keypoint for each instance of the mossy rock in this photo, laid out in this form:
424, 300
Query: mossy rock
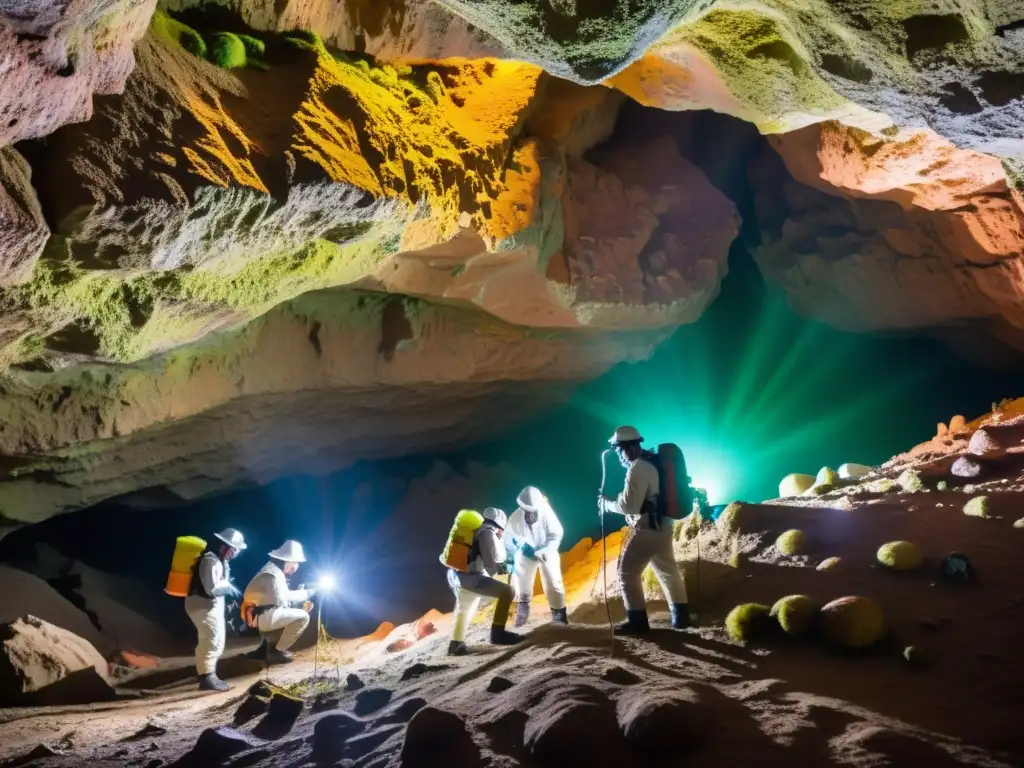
731, 519
910, 481
796, 614
829, 564
900, 556
227, 51
748, 621
192, 42
977, 507
304, 38
792, 542
819, 489
1019, 523
942, 486
794, 485
254, 47
853, 622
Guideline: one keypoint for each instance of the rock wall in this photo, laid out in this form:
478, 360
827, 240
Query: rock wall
904, 234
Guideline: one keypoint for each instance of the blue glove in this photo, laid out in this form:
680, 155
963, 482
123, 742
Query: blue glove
529, 552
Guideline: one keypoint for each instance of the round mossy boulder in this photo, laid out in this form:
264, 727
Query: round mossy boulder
977, 507
226, 50
748, 621
829, 563
792, 542
796, 614
731, 519
794, 485
899, 556
853, 622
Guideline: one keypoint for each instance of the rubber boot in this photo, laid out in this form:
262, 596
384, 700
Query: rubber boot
501, 636
274, 656
636, 624
522, 612
211, 682
680, 616
560, 616
457, 648
260, 654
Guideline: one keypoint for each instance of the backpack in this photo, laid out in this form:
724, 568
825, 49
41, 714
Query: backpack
458, 550
675, 495
187, 551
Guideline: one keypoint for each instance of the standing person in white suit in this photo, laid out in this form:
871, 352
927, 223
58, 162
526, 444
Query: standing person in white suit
649, 541
537, 534
211, 581
275, 602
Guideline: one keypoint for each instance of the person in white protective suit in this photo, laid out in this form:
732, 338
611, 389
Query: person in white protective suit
211, 581
649, 540
275, 603
487, 558
536, 534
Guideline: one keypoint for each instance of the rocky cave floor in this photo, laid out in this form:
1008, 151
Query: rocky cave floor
568, 696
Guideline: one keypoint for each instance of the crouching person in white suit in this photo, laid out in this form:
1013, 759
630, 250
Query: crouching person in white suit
275, 602
537, 534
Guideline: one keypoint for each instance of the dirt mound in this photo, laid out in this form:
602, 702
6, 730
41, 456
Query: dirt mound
435, 738
43, 664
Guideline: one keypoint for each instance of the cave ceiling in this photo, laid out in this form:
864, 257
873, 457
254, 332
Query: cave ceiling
247, 238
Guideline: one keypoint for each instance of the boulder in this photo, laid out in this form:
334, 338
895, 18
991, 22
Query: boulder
854, 471
900, 556
796, 614
24, 593
330, 734
795, 485
853, 622
43, 664
791, 542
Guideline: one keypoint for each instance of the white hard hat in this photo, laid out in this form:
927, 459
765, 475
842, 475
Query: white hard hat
496, 516
531, 498
232, 537
626, 435
289, 552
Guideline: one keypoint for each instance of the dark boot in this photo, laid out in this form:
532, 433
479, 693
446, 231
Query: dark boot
260, 654
501, 636
680, 616
560, 616
211, 682
457, 648
636, 624
274, 656
522, 612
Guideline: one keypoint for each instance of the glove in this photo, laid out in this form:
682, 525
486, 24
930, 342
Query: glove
529, 552
226, 588
502, 569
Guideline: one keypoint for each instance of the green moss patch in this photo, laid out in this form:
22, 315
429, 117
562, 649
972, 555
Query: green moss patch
226, 50
796, 614
899, 556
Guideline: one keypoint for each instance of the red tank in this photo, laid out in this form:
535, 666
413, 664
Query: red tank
674, 495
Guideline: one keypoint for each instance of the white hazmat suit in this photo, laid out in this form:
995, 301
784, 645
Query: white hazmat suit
478, 584
269, 590
206, 610
645, 543
535, 528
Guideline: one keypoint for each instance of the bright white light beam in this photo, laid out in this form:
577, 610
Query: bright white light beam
326, 582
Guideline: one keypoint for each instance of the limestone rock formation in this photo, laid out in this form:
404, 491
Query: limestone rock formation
41, 663
55, 55
23, 230
906, 233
